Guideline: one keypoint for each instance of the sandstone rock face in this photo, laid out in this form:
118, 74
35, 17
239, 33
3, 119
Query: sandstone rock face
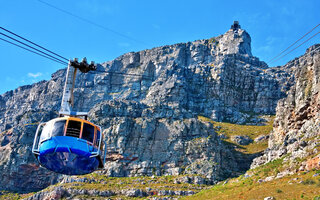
241, 139
155, 112
261, 138
239, 41
24, 108
297, 125
313, 163
161, 144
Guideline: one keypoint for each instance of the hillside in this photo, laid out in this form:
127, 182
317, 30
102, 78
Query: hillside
289, 167
99, 186
201, 112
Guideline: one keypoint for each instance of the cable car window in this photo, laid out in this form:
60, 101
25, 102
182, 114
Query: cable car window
45, 134
58, 128
98, 138
88, 132
73, 129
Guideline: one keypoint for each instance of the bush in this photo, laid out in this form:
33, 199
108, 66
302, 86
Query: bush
279, 191
308, 182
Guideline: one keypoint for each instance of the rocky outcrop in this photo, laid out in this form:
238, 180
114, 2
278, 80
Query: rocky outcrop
241, 139
261, 138
19, 169
296, 129
99, 186
156, 141
155, 115
61, 192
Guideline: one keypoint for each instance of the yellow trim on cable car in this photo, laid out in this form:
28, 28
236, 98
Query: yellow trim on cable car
77, 119
96, 128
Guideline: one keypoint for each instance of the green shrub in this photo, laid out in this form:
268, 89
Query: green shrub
279, 191
308, 182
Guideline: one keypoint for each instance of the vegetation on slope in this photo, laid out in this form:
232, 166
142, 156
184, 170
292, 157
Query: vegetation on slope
9, 196
281, 179
100, 182
263, 182
228, 130
88, 187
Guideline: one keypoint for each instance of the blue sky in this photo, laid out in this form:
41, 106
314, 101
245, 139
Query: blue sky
273, 26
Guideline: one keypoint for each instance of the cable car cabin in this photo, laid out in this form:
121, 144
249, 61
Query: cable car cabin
69, 145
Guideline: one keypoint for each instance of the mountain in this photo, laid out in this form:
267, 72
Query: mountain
289, 168
297, 125
154, 116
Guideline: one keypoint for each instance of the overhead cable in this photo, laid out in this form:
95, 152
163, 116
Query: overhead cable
63, 63
93, 23
31, 47
33, 43
53, 57
121, 73
296, 47
293, 44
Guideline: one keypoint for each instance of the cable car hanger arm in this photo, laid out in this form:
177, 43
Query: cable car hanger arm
67, 102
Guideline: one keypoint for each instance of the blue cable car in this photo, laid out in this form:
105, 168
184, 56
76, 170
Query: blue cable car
70, 144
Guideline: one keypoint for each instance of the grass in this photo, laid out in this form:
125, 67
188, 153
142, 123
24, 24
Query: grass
13, 196
308, 79
269, 169
9, 196
114, 93
297, 186
100, 182
229, 129
301, 185
103, 182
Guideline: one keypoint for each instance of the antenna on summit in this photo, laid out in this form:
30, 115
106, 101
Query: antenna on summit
235, 26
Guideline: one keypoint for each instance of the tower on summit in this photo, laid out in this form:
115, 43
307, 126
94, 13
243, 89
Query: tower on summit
235, 26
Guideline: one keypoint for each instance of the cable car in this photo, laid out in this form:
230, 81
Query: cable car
70, 144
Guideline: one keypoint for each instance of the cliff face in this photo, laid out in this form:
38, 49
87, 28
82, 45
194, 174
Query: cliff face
297, 125
152, 116
153, 144
21, 110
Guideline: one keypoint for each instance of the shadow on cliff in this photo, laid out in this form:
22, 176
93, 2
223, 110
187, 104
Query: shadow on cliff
243, 160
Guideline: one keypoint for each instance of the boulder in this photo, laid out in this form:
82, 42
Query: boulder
241, 139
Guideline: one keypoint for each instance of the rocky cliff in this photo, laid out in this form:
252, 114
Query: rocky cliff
160, 145
296, 128
152, 113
